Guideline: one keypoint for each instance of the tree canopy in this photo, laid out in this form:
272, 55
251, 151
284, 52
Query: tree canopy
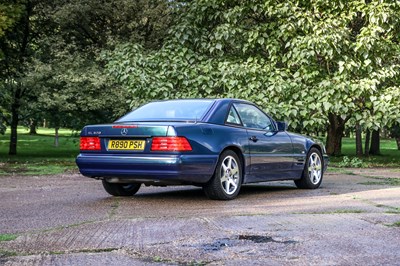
320, 65
315, 63
9, 14
51, 65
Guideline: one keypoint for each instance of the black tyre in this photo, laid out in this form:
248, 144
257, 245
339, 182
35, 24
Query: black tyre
123, 190
313, 171
227, 179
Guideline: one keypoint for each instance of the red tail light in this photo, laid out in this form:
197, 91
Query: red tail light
90, 144
170, 144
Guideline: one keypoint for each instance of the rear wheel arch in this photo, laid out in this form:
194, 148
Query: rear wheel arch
228, 177
239, 153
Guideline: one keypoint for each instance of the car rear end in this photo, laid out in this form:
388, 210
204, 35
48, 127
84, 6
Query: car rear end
150, 153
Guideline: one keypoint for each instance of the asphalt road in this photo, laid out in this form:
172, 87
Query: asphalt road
70, 220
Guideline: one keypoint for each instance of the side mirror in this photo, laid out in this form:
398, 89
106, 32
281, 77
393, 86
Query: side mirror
282, 126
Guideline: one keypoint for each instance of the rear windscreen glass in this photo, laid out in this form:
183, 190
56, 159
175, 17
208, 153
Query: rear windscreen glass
169, 110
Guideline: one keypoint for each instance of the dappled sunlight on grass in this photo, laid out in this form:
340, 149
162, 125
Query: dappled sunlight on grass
36, 154
62, 132
390, 155
20, 140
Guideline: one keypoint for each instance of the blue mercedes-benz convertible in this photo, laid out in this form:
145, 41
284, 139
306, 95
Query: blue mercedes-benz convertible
218, 144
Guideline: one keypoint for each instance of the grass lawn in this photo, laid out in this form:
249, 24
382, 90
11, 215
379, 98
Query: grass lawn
37, 154
390, 155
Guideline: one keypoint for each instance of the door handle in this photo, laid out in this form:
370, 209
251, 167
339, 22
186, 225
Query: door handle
253, 138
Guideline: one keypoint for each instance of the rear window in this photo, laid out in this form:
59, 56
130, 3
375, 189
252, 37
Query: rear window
169, 110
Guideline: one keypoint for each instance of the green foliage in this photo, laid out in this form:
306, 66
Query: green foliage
299, 60
74, 91
88, 24
67, 76
353, 162
50, 57
395, 224
395, 131
302, 61
7, 237
2, 119
391, 181
9, 14
7, 253
18, 46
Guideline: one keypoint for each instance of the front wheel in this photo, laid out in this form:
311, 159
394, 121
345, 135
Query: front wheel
313, 171
123, 190
227, 179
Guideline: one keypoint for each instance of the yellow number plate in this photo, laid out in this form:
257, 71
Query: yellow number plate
131, 145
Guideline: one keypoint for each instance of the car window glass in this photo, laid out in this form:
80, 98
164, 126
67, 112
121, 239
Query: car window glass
252, 117
169, 110
233, 117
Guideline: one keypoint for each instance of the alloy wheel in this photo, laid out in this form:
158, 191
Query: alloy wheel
314, 168
230, 175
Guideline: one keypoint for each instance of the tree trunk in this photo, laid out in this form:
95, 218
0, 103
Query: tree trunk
335, 134
367, 139
13, 137
56, 137
32, 127
17, 94
359, 148
375, 143
398, 143
14, 122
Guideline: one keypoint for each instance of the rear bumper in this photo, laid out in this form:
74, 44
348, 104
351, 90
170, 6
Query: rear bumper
179, 169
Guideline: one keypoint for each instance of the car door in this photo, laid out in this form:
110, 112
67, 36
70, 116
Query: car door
271, 151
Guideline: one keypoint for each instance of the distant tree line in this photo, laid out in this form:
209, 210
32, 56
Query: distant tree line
51, 58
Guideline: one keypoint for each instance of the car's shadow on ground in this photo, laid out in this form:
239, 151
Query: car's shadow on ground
196, 193
278, 189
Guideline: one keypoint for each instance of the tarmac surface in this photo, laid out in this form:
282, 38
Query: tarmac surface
353, 219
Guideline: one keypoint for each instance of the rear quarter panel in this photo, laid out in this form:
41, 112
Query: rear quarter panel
213, 139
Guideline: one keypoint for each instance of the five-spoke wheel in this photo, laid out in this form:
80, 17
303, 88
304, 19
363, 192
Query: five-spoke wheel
229, 175
314, 168
312, 173
227, 179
